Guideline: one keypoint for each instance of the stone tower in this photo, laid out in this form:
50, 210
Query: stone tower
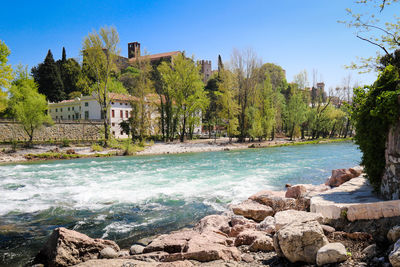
205, 69
133, 50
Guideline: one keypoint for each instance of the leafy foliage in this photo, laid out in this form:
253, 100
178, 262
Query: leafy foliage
375, 108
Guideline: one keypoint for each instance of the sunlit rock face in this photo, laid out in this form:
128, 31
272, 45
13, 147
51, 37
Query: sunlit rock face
390, 186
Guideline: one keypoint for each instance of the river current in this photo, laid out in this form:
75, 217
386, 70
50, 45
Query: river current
127, 198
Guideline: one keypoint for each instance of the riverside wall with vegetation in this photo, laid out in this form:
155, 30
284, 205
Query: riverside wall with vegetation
13, 131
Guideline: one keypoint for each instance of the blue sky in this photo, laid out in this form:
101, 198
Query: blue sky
294, 34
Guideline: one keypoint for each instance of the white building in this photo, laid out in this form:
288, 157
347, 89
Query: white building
87, 108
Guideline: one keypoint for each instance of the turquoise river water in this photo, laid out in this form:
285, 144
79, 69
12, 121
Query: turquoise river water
127, 198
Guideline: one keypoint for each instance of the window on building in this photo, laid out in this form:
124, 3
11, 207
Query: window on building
113, 113
121, 114
86, 115
113, 133
60, 109
73, 117
113, 124
56, 110
86, 104
126, 104
120, 103
68, 108
122, 133
56, 117
69, 117
61, 117
73, 108
126, 114
112, 103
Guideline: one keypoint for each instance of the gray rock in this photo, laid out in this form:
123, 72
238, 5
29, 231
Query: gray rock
370, 251
136, 249
394, 256
300, 241
108, 253
394, 234
331, 253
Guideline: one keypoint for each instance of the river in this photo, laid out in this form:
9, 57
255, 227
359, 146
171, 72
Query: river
127, 198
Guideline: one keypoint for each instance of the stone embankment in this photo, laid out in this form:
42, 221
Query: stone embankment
270, 228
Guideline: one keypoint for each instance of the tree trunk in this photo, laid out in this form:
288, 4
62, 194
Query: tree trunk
183, 132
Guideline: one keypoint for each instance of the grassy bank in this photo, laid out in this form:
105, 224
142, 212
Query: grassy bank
307, 142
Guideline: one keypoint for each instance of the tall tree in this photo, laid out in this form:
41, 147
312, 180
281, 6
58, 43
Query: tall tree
296, 113
245, 66
6, 74
70, 72
182, 77
48, 78
27, 105
100, 50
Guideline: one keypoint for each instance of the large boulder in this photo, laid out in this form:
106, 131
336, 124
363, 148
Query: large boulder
283, 218
263, 243
394, 256
300, 241
275, 199
239, 224
253, 210
67, 247
394, 234
171, 243
331, 253
341, 176
296, 191
267, 225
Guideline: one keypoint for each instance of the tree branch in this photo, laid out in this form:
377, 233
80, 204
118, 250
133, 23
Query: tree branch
369, 41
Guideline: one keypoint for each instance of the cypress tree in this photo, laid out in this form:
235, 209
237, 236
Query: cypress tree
47, 75
64, 56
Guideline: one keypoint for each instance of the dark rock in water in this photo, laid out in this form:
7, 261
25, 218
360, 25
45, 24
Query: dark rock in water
66, 247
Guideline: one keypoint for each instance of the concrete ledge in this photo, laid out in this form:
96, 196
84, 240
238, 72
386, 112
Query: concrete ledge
353, 200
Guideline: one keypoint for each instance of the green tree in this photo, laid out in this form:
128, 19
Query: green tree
100, 50
27, 105
70, 72
186, 92
227, 106
296, 113
6, 72
48, 78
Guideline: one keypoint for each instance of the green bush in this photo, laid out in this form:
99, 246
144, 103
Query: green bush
97, 148
375, 109
66, 143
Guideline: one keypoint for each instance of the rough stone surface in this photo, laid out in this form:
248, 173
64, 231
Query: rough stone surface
253, 210
216, 223
296, 191
286, 217
136, 249
59, 131
341, 176
108, 253
331, 253
370, 251
354, 200
263, 243
247, 237
267, 225
390, 184
275, 199
66, 247
171, 243
300, 241
394, 234
328, 229
394, 256
239, 224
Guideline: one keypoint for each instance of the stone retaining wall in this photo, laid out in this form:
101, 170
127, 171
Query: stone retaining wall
390, 186
71, 130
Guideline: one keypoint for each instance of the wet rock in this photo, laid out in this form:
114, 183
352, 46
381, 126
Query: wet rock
394, 234
66, 247
283, 218
274, 199
108, 253
370, 251
394, 256
300, 241
253, 210
267, 225
136, 249
331, 253
216, 223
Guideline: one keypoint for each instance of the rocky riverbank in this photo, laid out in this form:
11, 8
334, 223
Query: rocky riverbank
270, 228
53, 152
